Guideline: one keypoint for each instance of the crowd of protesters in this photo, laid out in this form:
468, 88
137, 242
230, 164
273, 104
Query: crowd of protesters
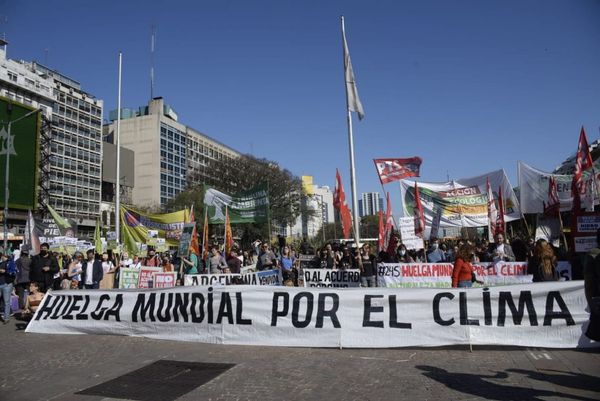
29, 277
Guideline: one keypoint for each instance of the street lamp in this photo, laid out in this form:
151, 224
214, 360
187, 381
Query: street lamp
7, 149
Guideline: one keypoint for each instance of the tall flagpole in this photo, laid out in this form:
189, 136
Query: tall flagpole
351, 146
118, 143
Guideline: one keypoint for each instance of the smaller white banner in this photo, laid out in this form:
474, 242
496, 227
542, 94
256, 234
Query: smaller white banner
265, 277
331, 278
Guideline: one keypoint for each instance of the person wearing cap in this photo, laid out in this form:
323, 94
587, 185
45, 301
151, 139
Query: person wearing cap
92, 272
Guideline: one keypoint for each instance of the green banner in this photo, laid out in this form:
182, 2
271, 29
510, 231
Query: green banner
245, 207
22, 146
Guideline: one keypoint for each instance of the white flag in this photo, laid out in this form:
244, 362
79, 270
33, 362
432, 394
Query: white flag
351, 91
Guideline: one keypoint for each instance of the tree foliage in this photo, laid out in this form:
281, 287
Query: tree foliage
240, 174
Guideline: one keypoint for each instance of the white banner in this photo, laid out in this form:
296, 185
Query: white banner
533, 188
532, 315
265, 277
331, 278
463, 202
439, 275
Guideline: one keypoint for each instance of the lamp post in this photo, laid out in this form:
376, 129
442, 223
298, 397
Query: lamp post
7, 149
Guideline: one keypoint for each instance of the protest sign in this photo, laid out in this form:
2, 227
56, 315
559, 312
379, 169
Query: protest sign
146, 277
439, 275
164, 280
265, 277
128, 278
331, 278
308, 261
137, 225
549, 314
186, 239
111, 240
151, 237
161, 245
407, 233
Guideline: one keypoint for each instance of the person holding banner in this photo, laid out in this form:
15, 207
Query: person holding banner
403, 256
462, 274
367, 264
287, 262
591, 275
216, 263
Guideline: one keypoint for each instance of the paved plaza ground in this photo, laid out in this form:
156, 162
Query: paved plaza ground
56, 367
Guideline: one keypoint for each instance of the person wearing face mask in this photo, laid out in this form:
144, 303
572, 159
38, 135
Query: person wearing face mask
436, 255
152, 259
43, 268
92, 272
108, 273
403, 256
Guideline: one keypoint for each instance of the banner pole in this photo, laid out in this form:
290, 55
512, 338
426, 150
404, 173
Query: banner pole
351, 149
118, 167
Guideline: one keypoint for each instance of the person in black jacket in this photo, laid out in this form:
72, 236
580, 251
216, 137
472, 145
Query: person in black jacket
92, 272
6, 286
43, 268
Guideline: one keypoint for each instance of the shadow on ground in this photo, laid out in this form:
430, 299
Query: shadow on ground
487, 386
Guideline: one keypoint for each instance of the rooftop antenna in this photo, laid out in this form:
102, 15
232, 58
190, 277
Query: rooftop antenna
46, 50
152, 42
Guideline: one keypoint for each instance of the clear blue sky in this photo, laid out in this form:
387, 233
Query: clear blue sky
470, 86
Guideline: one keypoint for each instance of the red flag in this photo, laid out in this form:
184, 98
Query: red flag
340, 203
583, 160
205, 236
419, 216
228, 233
381, 239
500, 223
194, 246
389, 223
492, 212
552, 206
396, 169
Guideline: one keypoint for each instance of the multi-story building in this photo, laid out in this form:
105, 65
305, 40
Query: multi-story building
74, 168
370, 204
169, 155
316, 211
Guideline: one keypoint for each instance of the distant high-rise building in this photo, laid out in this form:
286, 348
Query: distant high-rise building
370, 204
168, 154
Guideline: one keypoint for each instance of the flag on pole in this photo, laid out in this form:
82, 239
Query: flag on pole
354, 103
97, 239
419, 215
194, 246
500, 222
492, 212
228, 233
205, 236
583, 161
58, 219
389, 223
552, 206
396, 169
380, 239
31, 239
340, 204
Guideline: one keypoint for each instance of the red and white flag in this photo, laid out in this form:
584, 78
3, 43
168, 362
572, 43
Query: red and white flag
380, 239
396, 169
389, 223
583, 161
419, 215
500, 222
552, 206
339, 202
492, 212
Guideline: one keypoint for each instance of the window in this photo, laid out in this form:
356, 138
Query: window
12, 76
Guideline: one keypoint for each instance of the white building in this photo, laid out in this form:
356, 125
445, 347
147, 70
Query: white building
318, 199
370, 204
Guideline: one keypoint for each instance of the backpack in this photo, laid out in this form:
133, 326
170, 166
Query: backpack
11, 267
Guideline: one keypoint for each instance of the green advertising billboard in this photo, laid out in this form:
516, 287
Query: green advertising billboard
21, 145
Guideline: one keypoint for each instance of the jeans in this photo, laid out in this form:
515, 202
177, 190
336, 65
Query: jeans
94, 286
22, 290
367, 281
465, 284
6, 292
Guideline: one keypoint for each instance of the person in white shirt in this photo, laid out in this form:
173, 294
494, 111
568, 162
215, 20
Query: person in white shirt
92, 271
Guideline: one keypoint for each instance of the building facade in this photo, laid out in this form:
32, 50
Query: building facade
316, 210
75, 155
169, 156
370, 204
